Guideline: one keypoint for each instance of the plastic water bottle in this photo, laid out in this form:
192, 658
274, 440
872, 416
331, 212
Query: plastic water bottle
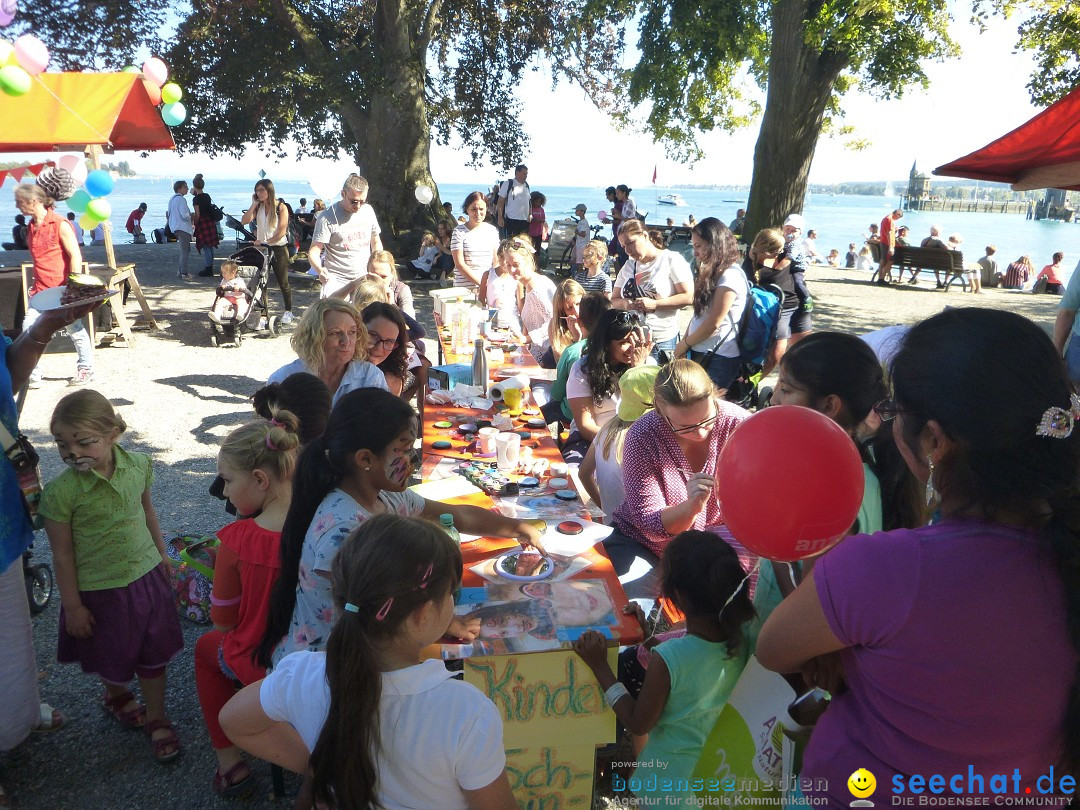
447, 523
480, 365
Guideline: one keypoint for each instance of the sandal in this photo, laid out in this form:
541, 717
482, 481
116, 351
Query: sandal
128, 718
161, 743
49, 719
226, 788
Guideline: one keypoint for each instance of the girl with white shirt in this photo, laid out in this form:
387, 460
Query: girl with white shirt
473, 243
536, 302
271, 218
359, 467
720, 296
375, 723
655, 282
500, 291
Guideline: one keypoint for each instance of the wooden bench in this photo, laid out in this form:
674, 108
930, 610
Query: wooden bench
936, 259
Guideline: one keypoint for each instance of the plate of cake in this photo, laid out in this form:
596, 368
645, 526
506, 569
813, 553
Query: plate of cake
81, 289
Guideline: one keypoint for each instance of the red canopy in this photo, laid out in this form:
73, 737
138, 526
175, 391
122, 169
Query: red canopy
1043, 153
76, 110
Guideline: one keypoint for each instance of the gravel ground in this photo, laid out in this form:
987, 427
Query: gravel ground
179, 397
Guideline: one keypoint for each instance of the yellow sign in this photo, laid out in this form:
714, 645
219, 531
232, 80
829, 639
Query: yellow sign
554, 716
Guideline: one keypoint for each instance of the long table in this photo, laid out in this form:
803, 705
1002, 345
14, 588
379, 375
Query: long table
554, 713
514, 364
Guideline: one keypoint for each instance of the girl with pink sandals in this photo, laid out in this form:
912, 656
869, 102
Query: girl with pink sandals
117, 616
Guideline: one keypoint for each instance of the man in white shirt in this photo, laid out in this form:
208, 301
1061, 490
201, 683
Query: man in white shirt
512, 212
180, 224
345, 236
77, 228
303, 206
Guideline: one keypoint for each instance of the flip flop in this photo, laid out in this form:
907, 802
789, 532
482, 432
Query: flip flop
49, 719
128, 718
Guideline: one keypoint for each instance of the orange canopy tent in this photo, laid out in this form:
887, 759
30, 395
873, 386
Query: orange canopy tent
1043, 153
77, 110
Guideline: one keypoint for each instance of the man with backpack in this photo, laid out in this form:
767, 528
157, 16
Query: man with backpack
512, 210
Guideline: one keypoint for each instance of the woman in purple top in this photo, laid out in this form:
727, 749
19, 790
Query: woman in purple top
956, 641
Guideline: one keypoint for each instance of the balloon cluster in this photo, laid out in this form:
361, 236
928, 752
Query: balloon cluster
162, 91
89, 202
19, 61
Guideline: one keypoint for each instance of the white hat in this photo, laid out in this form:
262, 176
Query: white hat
796, 221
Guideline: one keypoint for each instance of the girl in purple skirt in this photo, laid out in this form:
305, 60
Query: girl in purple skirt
117, 617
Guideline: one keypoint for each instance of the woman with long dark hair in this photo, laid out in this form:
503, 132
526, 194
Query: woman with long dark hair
202, 219
388, 339
958, 639
271, 218
721, 293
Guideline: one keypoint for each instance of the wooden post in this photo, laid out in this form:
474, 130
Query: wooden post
94, 152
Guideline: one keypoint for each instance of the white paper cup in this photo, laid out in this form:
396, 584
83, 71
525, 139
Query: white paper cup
507, 448
486, 440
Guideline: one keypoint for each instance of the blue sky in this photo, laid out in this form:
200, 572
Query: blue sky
977, 98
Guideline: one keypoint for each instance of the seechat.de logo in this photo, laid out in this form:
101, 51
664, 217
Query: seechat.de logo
862, 785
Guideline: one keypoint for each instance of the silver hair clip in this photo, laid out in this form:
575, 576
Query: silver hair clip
1058, 423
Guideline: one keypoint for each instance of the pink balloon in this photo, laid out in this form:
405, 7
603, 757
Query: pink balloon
7, 12
155, 70
74, 165
32, 54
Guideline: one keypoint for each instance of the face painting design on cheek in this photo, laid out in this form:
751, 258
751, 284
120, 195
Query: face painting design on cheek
399, 468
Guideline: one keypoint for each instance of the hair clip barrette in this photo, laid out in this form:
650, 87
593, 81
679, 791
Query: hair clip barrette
1058, 423
351, 608
384, 609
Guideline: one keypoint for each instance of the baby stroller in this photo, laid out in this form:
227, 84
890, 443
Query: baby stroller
251, 312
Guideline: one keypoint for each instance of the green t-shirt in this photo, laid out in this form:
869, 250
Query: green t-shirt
567, 359
113, 545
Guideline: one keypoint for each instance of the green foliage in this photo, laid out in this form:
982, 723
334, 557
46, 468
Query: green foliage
90, 34
1054, 35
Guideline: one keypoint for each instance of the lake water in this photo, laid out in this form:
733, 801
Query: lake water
838, 219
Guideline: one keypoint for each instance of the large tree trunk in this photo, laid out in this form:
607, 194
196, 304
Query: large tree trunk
394, 139
800, 84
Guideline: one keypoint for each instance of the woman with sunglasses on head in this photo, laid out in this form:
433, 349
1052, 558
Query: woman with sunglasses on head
388, 349
655, 282
720, 296
840, 376
959, 639
669, 464
618, 342
536, 296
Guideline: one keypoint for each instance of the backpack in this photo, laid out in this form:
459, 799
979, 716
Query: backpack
757, 327
193, 558
216, 214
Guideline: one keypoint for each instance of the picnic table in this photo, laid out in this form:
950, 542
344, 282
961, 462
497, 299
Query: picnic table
553, 711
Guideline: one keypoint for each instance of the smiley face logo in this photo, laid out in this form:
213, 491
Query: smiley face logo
862, 784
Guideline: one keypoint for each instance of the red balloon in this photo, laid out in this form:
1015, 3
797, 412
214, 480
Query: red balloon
789, 482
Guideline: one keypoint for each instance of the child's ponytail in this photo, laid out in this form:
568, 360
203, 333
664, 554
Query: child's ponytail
701, 572
365, 419
383, 573
268, 445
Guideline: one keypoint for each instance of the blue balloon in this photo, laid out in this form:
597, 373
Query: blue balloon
173, 114
99, 183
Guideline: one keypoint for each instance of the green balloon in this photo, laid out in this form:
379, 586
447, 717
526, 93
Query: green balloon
14, 80
78, 201
99, 209
131, 69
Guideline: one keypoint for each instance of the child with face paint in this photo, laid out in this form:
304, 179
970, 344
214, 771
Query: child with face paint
359, 467
117, 616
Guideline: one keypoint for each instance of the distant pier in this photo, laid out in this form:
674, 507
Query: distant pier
1030, 209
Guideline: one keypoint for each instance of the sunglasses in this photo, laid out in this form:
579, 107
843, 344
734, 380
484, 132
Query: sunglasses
886, 409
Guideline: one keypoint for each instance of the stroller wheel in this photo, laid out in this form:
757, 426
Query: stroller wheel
273, 324
764, 397
214, 339
39, 586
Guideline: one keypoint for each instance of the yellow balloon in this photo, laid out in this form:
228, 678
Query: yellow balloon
7, 53
171, 93
88, 222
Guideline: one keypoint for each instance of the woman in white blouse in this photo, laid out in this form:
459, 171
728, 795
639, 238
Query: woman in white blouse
536, 306
473, 243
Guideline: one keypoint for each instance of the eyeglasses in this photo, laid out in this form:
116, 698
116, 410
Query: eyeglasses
378, 342
886, 409
705, 424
